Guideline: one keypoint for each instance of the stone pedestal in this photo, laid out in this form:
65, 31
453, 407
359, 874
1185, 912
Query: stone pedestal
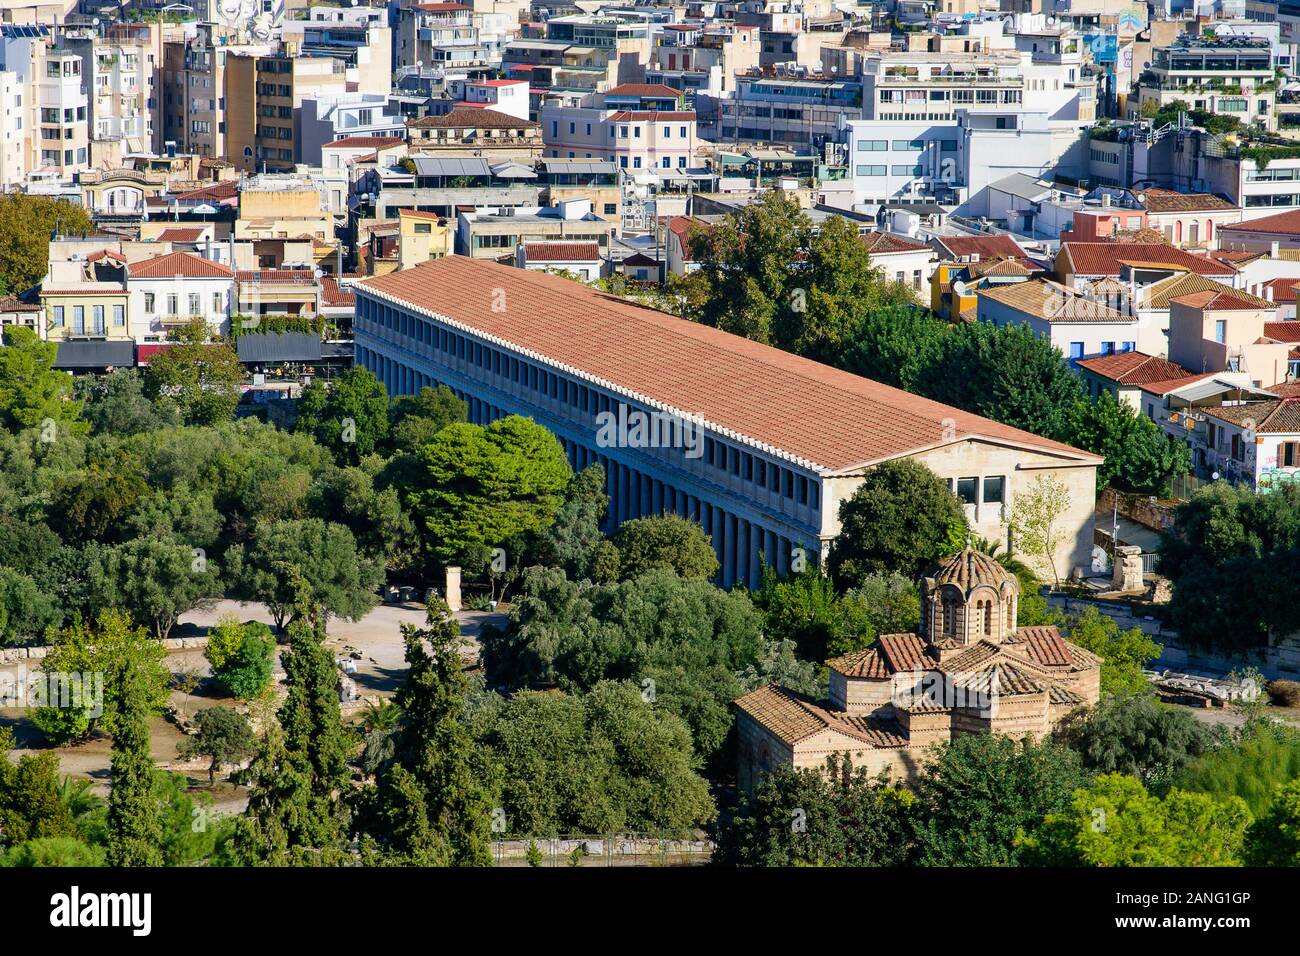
1127, 575
452, 590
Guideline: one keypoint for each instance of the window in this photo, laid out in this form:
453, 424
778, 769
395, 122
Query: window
196, 304
966, 489
1220, 330
97, 319
1288, 454
1238, 448
58, 316
216, 302
1076, 350
871, 170
173, 307
119, 316
78, 320
873, 145
148, 303
1107, 348
994, 489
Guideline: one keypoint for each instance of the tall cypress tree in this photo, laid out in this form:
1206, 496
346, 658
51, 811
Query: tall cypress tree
131, 661
296, 809
432, 805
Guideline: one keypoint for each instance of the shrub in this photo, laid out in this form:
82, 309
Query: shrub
1284, 693
246, 655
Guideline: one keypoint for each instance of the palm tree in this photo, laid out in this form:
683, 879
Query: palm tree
1005, 558
78, 796
380, 716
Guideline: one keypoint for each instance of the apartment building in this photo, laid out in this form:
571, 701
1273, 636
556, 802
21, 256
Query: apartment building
171, 291
451, 36
264, 96
64, 109
1230, 76
703, 57
794, 110
357, 38
332, 116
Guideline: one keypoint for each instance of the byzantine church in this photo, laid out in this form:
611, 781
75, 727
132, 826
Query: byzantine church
970, 670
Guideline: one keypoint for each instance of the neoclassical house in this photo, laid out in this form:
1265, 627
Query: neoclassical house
970, 670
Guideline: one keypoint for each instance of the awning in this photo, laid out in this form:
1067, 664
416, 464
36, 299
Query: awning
95, 353
279, 347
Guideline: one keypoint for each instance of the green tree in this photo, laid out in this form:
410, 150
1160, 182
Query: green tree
53, 851
245, 672
297, 813
224, 735
902, 518
33, 394
1274, 838
26, 612
348, 415
415, 419
1115, 822
1139, 736
1123, 653
1261, 758
117, 404
895, 346
133, 673
1036, 520
664, 541
26, 224
600, 762
30, 807
201, 376
1228, 557
983, 791
572, 539
483, 486
341, 581
684, 641
155, 579
1139, 456
839, 817
430, 805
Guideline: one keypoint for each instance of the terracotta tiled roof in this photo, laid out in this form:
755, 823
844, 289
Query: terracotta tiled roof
791, 406
865, 663
903, 652
643, 89
1163, 388
334, 293
1283, 224
1000, 268
972, 659
562, 251
1158, 294
1284, 290
1133, 368
468, 117
365, 142
1166, 200
179, 264
1228, 300
1061, 695
11, 303
1001, 679
1044, 645
792, 717
1108, 258
883, 243
1275, 417
1283, 331
1051, 302
180, 235
969, 569
985, 247
105, 254
226, 189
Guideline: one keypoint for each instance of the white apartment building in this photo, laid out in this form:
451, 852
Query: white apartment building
63, 110
634, 139
327, 116
504, 96
170, 291
13, 129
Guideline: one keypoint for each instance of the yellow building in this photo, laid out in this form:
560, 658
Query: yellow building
422, 236
282, 207
262, 93
85, 310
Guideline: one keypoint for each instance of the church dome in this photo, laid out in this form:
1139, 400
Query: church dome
969, 569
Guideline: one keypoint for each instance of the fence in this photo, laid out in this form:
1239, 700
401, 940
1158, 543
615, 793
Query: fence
618, 849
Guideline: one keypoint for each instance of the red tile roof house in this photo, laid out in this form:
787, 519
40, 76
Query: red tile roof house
582, 259
169, 291
1124, 373
1266, 234
902, 259
1082, 265
801, 435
